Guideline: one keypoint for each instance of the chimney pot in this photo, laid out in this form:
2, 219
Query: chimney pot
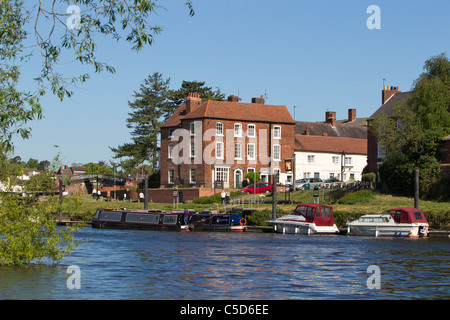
192, 102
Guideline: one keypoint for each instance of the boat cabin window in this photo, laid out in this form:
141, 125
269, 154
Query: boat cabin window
326, 212
374, 219
418, 215
396, 215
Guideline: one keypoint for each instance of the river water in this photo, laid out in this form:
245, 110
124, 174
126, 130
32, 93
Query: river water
132, 264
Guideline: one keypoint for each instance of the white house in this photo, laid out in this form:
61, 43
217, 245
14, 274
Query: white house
328, 157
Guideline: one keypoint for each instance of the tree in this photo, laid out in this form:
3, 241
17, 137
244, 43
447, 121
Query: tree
206, 93
112, 18
412, 134
150, 108
100, 168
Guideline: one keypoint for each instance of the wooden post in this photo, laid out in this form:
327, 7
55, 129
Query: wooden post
416, 189
274, 194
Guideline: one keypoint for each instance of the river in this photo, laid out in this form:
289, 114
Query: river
133, 264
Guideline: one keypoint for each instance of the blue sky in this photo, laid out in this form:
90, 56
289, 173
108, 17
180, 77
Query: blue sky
315, 55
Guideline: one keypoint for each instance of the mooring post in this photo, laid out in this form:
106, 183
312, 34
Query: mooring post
274, 195
416, 189
146, 193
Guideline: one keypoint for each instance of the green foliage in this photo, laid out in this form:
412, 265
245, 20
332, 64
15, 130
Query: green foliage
251, 177
150, 108
98, 168
358, 197
412, 135
206, 93
29, 233
371, 177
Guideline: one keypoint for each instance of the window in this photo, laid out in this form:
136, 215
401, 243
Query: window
276, 152
251, 130
219, 129
192, 175
170, 150
306, 174
317, 175
238, 130
380, 150
335, 160
277, 132
331, 175
219, 150
171, 175
237, 151
221, 174
311, 158
348, 160
192, 149
192, 128
171, 133
251, 151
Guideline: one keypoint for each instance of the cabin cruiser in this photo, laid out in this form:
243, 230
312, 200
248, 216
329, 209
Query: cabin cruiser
234, 219
307, 218
396, 222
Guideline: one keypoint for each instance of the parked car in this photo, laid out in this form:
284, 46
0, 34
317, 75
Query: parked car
333, 180
300, 184
260, 187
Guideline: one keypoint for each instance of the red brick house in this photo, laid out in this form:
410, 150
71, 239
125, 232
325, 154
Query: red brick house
216, 143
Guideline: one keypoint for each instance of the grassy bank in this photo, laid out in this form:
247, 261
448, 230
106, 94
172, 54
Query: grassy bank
347, 206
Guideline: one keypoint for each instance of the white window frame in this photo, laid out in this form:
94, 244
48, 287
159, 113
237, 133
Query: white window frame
238, 151
191, 170
239, 131
219, 129
276, 157
311, 158
277, 133
171, 146
219, 150
335, 159
248, 151
253, 131
192, 128
171, 181
223, 172
192, 149
348, 161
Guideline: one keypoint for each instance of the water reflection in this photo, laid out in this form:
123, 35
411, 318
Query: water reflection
123, 264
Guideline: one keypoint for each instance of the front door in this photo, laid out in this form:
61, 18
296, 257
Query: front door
238, 179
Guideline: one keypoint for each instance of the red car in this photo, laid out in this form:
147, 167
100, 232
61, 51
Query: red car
261, 187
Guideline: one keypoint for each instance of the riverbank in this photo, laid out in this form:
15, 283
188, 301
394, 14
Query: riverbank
437, 213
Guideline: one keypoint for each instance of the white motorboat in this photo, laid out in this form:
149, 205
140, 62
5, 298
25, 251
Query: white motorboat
398, 222
307, 218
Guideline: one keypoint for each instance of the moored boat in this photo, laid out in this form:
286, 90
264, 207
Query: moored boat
138, 219
231, 220
307, 218
397, 222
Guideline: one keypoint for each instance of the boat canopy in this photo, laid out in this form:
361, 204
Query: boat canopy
407, 215
314, 212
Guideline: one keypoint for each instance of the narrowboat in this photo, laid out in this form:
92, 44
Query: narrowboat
307, 218
138, 219
232, 220
397, 222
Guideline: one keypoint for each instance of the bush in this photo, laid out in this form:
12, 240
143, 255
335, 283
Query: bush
358, 196
215, 198
371, 177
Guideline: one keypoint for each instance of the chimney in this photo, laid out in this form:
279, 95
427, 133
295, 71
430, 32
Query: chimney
307, 131
192, 102
258, 100
351, 115
388, 92
233, 98
330, 118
